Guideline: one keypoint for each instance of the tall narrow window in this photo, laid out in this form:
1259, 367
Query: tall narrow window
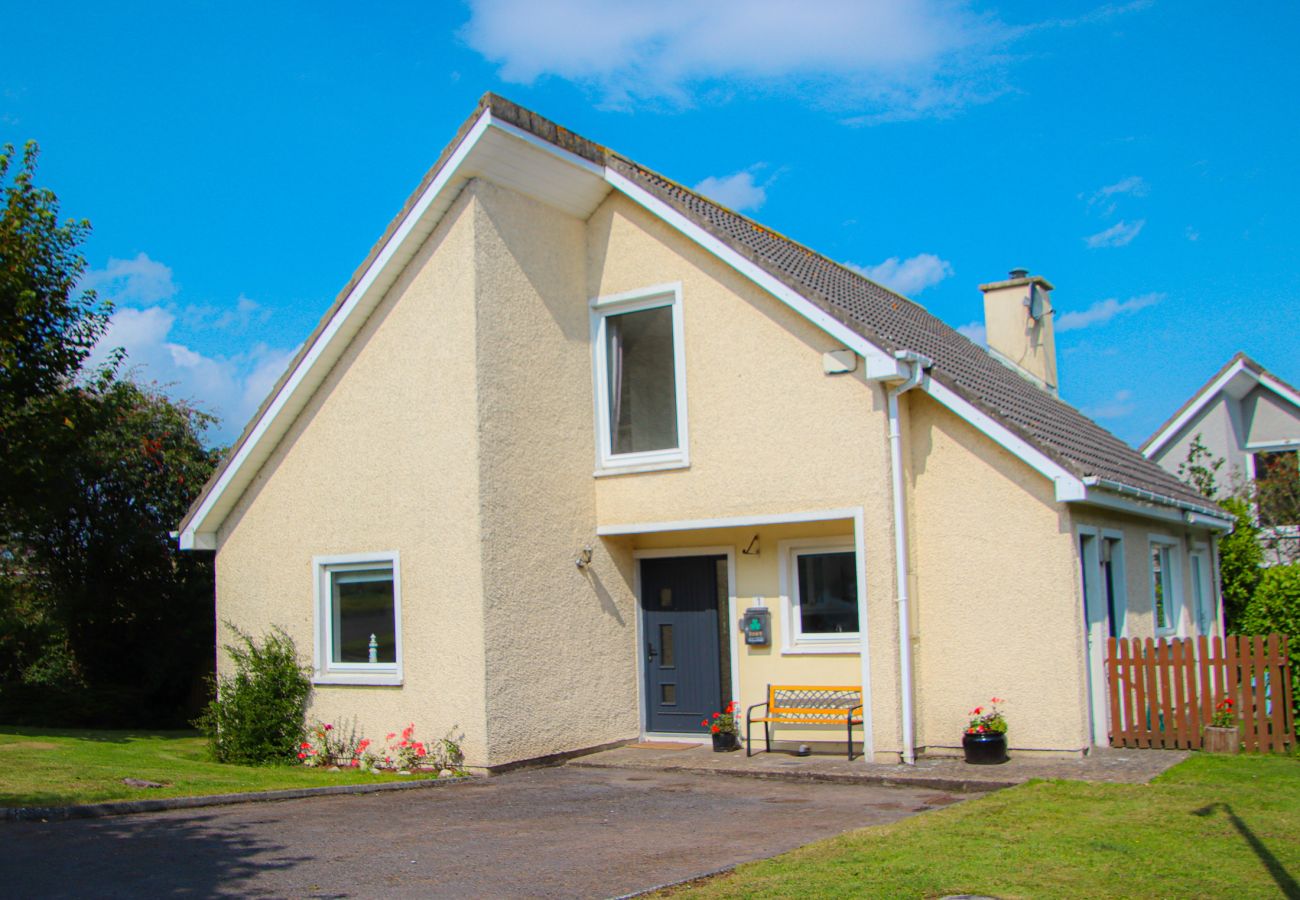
1277, 487
358, 616
642, 383
641, 398
1166, 598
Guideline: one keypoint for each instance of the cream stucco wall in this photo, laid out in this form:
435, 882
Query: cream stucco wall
384, 457
770, 432
995, 590
560, 641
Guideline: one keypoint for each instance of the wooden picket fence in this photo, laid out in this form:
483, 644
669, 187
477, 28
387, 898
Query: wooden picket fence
1162, 693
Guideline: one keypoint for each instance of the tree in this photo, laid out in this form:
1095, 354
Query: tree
1240, 554
47, 328
102, 619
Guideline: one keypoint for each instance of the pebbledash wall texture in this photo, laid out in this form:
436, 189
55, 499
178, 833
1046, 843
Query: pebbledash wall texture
457, 430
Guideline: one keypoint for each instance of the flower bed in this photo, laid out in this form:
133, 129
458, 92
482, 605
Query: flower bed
340, 747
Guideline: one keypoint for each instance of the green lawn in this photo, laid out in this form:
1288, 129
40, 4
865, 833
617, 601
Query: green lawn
1214, 826
45, 767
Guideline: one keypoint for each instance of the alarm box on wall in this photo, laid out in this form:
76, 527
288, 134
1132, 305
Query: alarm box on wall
756, 626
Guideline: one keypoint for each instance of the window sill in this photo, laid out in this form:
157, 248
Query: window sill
376, 679
839, 648
634, 468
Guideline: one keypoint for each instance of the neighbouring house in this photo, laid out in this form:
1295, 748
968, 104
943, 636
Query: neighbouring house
1249, 418
569, 421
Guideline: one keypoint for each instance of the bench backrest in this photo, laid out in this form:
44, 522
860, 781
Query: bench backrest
811, 700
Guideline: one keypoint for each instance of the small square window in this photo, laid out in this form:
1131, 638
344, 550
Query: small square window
358, 616
819, 579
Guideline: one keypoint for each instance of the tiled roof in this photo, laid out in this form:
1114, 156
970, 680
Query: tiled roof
893, 322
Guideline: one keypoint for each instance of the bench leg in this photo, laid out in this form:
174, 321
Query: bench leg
864, 749
767, 735
749, 745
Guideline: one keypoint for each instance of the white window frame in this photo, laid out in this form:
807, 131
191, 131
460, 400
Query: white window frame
327, 671
793, 640
1174, 587
608, 462
1208, 587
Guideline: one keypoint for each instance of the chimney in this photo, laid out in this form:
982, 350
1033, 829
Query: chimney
1018, 325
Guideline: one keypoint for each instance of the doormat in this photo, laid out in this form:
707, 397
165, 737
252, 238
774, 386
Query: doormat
663, 745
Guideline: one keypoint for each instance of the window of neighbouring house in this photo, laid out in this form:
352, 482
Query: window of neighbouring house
640, 380
1277, 487
1166, 596
821, 583
358, 617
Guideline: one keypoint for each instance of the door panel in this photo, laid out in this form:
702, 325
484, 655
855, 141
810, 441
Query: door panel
679, 629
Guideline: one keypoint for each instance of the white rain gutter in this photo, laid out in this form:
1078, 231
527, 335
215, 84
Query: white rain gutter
916, 365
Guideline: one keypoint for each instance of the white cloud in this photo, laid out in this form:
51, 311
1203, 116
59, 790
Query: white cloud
1103, 311
882, 55
1117, 407
1192, 234
1103, 199
976, 332
1117, 235
230, 387
141, 280
738, 191
907, 276
245, 314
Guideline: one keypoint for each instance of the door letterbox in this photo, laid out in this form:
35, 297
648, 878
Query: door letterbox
756, 626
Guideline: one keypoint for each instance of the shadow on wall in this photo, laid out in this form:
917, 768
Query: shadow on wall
606, 599
198, 856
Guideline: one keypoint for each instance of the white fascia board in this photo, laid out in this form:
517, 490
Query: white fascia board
774, 286
200, 534
547, 147
1157, 443
1152, 506
1069, 487
880, 365
1282, 390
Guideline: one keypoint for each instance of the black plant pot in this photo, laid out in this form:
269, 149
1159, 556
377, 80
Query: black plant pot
987, 749
725, 743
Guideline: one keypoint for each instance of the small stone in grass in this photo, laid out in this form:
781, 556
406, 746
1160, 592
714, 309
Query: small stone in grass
141, 783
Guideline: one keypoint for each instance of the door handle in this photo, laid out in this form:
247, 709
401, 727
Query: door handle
650, 651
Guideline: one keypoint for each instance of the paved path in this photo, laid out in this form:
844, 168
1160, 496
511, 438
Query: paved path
562, 832
939, 773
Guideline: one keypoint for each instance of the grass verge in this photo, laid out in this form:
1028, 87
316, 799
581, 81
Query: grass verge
1213, 826
49, 767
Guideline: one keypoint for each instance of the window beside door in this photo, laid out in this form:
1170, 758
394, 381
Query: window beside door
820, 586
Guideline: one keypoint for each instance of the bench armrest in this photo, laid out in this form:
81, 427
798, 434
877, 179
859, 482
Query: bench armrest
749, 712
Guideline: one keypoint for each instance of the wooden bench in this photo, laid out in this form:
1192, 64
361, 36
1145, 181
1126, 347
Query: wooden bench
800, 704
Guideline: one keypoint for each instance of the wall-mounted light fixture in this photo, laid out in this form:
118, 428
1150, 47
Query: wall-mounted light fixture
584, 558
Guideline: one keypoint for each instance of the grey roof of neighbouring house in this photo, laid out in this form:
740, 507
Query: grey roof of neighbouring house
886, 319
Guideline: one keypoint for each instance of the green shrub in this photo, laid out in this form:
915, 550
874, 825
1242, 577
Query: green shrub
259, 713
1276, 608
1240, 561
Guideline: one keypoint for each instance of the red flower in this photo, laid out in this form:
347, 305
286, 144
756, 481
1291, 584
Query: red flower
304, 745
716, 729
302, 755
329, 727
391, 735
717, 715
705, 723
977, 710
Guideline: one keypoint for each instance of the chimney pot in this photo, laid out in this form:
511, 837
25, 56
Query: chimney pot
1019, 273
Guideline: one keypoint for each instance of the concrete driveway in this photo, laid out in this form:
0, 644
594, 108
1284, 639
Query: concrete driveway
561, 832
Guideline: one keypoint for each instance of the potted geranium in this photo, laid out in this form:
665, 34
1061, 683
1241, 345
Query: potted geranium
985, 740
722, 726
1221, 734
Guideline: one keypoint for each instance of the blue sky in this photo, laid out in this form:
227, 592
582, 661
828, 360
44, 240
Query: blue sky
237, 161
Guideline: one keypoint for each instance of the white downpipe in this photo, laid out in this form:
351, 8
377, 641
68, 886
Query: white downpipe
916, 373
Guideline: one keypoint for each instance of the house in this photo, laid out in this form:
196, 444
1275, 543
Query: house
1249, 418
570, 420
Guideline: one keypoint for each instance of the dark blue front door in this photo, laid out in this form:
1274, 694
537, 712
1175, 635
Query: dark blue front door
679, 629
